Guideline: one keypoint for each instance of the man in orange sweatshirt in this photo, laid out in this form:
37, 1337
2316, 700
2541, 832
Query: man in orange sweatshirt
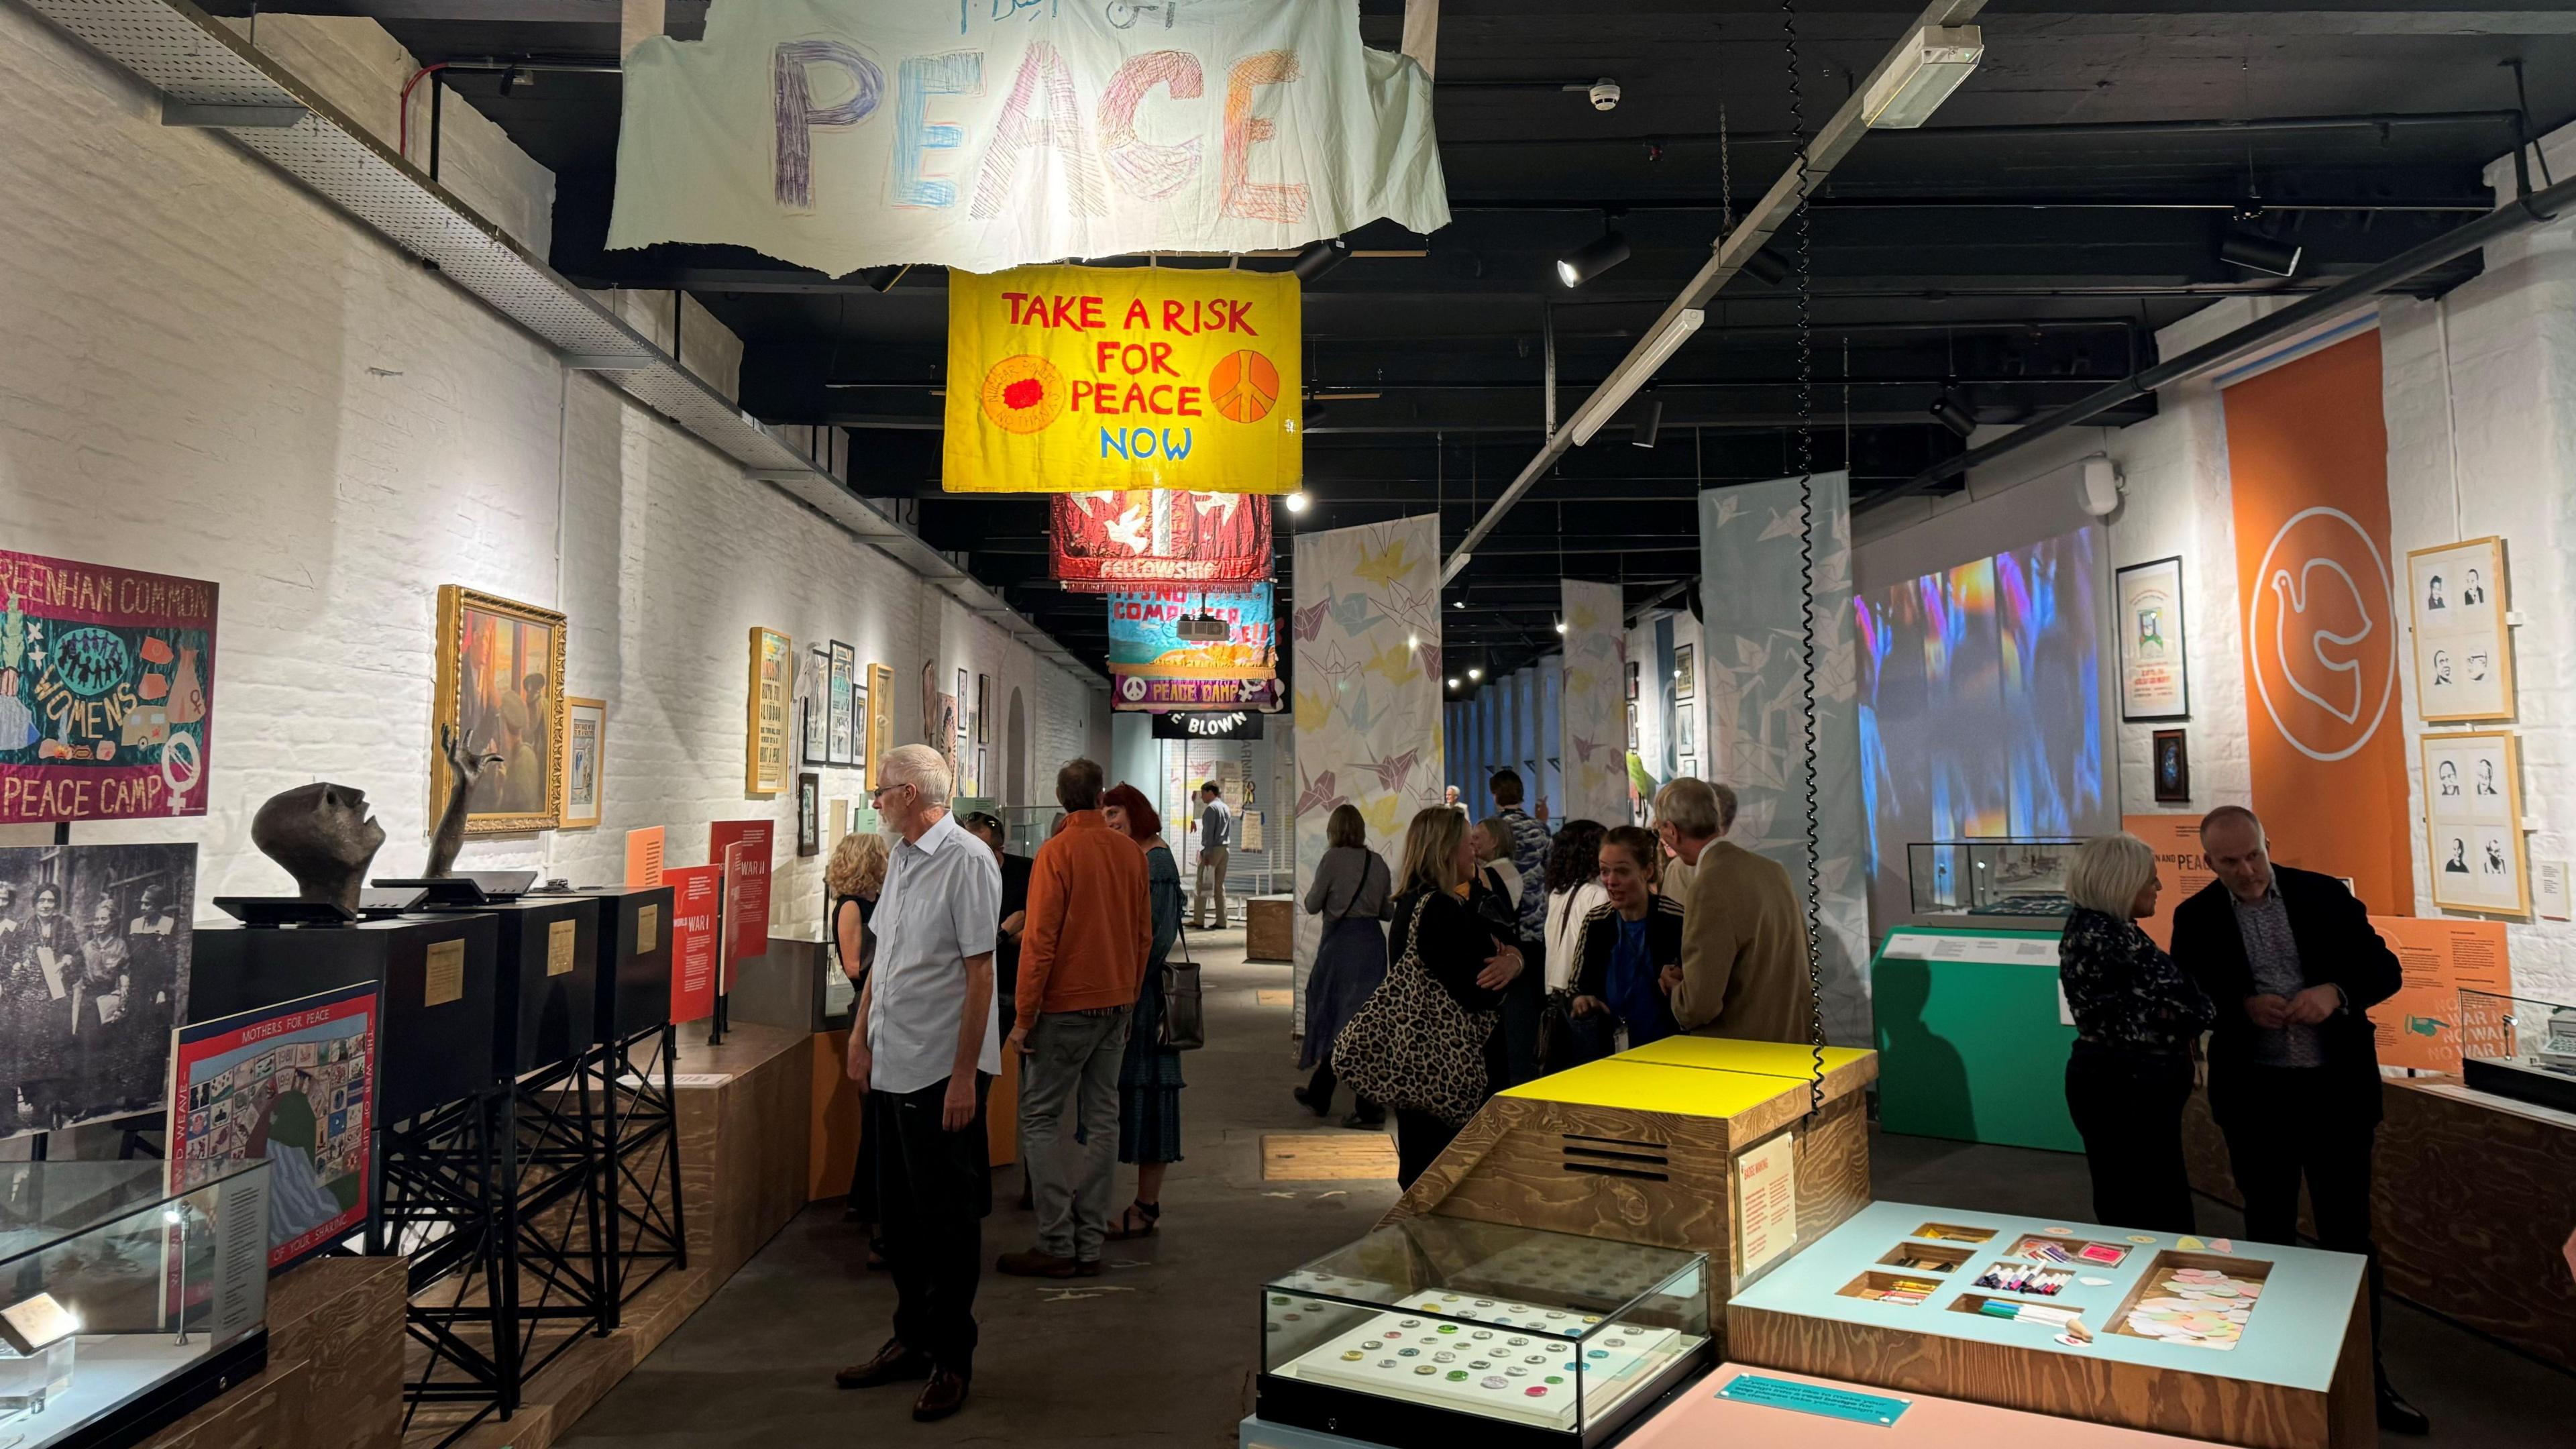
1082, 960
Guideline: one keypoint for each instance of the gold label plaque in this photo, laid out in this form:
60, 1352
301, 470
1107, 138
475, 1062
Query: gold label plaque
446, 973
559, 948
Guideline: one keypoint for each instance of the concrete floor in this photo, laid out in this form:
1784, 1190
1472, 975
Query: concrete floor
1162, 1349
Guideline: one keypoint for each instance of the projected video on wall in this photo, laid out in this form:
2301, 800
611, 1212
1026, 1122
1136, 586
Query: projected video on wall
1981, 706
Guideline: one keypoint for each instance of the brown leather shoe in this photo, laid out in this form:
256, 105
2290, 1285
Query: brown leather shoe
1036, 1263
944, 1395
894, 1363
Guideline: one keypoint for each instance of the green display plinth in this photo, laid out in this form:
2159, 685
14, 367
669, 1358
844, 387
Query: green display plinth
1972, 1043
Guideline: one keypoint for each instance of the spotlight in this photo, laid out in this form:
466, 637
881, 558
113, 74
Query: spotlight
1649, 423
1592, 259
882, 279
1457, 603
1473, 672
1296, 502
1320, 257
2256, 252
1765, 267
1955, 412
1560, 626
1453, 681
514, 78
1412, 641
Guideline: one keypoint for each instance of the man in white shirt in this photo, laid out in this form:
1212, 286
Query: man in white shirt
924, 1047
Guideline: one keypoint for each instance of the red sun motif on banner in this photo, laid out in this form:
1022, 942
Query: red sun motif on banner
1023, 394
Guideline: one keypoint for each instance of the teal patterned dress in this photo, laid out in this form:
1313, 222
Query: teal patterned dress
1149, 1078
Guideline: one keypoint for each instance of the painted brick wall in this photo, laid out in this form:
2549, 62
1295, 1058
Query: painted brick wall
208, 372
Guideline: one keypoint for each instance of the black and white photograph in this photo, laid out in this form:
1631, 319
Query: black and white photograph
94, 950
2473, 822
2463, 652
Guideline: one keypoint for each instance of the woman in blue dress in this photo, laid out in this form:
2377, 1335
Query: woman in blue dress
1149, 1078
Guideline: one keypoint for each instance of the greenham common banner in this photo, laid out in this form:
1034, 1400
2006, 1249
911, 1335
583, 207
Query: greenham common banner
987, 134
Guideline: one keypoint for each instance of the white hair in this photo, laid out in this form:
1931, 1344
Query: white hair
2109, 872
921, 767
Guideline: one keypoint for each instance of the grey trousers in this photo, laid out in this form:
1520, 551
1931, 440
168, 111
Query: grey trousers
1072, 1069
1211, 888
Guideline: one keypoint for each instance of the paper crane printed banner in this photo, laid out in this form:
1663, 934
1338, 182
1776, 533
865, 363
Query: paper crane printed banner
1594, 711
1144, 633
988, 134
1117, 540
107, 690
1073, 379
1366, 614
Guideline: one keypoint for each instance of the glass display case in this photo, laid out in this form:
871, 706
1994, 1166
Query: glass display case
2000, 877
125, 1301
1434, 1327
2520, 1047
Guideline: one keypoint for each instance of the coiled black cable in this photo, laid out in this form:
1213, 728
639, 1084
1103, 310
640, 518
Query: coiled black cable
1806, 436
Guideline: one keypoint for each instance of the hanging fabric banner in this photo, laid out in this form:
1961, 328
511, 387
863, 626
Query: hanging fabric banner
2319, 595
107, 690
1074, 379
1594, 718
1139, 692
840, 134
1144, 633
1115, 540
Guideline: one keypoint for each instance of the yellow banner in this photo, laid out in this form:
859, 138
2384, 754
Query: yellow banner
1088, 379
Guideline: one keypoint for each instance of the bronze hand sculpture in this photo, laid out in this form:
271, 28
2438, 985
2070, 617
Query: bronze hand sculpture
464, 767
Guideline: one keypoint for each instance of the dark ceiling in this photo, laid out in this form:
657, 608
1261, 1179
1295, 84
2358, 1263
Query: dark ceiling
2023, 248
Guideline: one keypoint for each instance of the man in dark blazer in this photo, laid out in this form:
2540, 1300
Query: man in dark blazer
2292, 962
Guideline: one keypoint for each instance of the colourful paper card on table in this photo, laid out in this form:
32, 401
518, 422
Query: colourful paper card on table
1817, 1399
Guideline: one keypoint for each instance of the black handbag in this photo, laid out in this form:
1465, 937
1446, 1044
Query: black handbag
1184, 1011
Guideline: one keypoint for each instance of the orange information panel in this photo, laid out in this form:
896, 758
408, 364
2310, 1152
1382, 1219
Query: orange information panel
2176, 842
2420, 1026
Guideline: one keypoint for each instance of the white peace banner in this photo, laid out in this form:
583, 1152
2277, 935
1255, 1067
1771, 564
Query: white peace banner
986, 134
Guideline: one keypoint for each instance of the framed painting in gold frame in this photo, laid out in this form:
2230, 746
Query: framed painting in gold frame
2473, 822
880, 706
772, 690
500, 685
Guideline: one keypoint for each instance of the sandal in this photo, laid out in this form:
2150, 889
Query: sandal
1151, 1212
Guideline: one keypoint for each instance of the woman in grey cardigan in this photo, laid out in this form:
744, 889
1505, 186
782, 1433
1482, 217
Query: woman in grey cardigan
1353, 893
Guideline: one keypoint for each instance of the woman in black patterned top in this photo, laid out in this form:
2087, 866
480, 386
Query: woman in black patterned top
2138, 1021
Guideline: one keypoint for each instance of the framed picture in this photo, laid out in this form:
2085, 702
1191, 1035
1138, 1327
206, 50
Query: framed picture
962, 687
1685, 670
2155, 674
1632, 725
1632, 679
809, 814
979, 771
1689, 768
983, 709
841, 742
500, 686
585, 737
2473, 821
818, 706
1686, 731
772, 690
2172, 763
880, 708
2457, 596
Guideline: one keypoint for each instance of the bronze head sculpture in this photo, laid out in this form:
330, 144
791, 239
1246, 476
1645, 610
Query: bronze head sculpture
324, 837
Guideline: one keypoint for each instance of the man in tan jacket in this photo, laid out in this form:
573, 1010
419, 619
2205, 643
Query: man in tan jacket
1743, 972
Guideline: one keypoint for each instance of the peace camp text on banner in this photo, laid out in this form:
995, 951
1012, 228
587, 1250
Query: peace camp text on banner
1080, 379
1106, 541
1144, 633
840, 134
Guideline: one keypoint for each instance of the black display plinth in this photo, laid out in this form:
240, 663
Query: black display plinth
634, 971
548, 958
2523, 1079
628, 1092
436, 980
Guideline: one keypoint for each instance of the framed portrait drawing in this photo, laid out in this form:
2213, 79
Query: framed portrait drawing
880, 707
2171, 761
1685, 671
841, 746
2473, 822
817, 748
585, 767
2155, 677
2457, 599
809, 814
500, 687
772, 690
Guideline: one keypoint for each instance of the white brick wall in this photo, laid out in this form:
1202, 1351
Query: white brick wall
208, 372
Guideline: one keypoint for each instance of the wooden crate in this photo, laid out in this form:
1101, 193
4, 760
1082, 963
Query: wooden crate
1270, 929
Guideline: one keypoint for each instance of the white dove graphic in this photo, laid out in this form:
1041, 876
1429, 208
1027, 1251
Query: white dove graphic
2291, 597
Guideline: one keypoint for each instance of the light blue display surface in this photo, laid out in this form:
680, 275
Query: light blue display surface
1806, 1398
2293, 1338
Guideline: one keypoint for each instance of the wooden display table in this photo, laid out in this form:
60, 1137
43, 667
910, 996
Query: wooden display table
1270, 928
334, 1375
2257, 1345
1743, 1408
2473, 1195
1654, 1146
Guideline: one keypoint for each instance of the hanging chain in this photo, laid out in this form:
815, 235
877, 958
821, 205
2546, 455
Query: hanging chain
1725, 148
1806, 436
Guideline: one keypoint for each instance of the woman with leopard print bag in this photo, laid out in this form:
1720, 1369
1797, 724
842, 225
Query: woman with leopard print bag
1424, 1043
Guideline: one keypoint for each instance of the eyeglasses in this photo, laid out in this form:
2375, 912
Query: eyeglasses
879, 792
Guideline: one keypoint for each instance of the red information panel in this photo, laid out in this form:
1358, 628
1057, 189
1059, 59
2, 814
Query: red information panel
695, 892
1107, 541
746, 886
288, 1085
107, 691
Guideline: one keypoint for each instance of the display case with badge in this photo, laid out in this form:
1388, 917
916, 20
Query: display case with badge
126, 1302
1998, 877
2519, 1046
1431, 1327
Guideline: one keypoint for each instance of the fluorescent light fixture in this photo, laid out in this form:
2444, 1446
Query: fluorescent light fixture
1933, 64
1296, 502
1627, 377
1650, 421
1457, 565
1592, 259
1320, 257
2256, 252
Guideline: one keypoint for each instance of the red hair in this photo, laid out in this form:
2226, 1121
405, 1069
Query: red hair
1143, 821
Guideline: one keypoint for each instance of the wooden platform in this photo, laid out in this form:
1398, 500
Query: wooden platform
334, 1375
2472, 1195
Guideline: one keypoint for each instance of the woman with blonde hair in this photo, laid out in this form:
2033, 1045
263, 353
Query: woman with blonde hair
1425, 1044
2138, 1020
854, 876
1353, 892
